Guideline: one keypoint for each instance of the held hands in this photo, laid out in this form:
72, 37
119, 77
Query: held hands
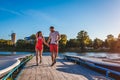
47, 45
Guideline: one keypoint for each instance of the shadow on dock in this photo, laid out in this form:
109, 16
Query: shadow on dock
63, 70
79, 70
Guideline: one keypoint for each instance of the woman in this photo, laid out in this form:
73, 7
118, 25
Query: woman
39, 46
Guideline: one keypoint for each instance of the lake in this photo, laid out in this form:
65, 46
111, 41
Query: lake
98, 54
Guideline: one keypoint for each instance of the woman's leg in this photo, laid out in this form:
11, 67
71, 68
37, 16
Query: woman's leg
40, 55
37, 54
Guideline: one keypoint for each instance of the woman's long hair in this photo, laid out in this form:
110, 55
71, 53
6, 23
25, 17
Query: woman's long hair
38, 33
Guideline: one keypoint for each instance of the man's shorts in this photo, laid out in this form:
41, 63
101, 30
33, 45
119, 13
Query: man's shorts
54, 48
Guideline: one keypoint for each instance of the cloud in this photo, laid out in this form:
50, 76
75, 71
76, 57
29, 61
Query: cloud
11, 11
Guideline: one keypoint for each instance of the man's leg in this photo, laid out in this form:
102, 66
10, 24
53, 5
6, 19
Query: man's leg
56, 52
53, 59
52, 56
52, 53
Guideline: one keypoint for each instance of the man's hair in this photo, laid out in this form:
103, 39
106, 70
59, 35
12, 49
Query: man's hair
51, 27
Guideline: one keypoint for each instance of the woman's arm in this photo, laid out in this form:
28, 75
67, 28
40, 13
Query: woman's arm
36, 36
45, 42
48, 41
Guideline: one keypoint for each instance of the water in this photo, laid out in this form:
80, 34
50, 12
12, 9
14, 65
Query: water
96, 54
15, 53
12, 55
100, 54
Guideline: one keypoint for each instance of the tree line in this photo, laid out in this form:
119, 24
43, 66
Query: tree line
82, 42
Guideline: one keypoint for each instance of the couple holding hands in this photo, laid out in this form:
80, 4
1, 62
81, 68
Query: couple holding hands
52, 43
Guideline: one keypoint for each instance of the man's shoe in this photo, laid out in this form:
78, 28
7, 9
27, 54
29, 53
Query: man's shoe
37, 64
53, 63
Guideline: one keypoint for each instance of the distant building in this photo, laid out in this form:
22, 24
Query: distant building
27, 38
13, 38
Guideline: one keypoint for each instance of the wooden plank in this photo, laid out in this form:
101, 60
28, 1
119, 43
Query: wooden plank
63, 70
54, 71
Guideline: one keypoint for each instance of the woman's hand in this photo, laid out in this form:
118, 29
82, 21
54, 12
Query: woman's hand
48, 45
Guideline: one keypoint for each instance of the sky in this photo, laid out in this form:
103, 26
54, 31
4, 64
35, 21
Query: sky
25, 17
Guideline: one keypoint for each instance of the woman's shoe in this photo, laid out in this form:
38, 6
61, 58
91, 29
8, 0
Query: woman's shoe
40, 61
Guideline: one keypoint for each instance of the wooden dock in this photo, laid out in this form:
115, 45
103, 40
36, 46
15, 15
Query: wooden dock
63, 70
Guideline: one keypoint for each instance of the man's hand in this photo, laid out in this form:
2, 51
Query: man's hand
48, 45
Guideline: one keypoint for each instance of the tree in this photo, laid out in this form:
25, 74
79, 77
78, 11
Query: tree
63, 41
88, 42
97, 43
73, 43
116, 45
23, 44
33, 37
110, 40
83, 39
5, 43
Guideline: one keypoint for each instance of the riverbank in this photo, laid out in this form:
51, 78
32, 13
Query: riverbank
78, 50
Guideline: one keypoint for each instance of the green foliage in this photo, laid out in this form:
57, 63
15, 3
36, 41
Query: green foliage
97, 43
73, 43
63, 41
113, 43
82, 42
5, 43
23, 44
33, 37
110, 40
83, 39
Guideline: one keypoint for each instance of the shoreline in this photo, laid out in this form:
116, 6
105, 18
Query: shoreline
59, 51
77, 50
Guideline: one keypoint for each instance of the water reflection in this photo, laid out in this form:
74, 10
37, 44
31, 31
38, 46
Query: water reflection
103, 54
13, 53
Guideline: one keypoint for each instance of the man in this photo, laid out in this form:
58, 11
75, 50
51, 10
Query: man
54, 38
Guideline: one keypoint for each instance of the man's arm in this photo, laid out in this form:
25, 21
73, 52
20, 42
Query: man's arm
59, 37
45, 42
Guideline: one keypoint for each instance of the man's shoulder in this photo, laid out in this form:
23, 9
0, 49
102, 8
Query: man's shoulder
57, 32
